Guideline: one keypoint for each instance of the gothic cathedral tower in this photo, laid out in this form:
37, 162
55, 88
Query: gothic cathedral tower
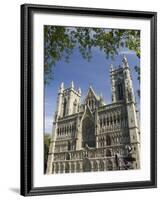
92, 135
68, 102
122, 91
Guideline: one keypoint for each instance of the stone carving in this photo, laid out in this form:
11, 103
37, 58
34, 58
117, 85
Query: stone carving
92, 135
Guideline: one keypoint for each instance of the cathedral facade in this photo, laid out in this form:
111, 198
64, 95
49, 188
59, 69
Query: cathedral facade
92, 135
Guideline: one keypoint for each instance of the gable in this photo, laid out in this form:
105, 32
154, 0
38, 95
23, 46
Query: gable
91, 94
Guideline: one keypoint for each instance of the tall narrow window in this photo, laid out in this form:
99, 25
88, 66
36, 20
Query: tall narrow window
69, 146
108, 140
75, 106
64, 107
120, 91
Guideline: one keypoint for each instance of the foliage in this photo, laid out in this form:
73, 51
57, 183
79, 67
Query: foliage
59, 43
47, 138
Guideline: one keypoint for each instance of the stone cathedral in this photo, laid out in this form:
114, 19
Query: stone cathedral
92, 135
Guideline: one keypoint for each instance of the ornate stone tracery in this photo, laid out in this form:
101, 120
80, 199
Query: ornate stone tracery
93, 136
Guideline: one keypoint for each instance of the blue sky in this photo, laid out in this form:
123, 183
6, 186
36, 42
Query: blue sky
84, 73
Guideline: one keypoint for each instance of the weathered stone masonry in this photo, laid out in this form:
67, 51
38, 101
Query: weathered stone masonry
94, 136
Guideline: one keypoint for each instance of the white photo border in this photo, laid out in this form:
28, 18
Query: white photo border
143, 174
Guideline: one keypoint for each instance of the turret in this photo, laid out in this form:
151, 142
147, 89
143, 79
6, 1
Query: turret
72, 85
122, 87
61, 89
129, 91
113, 87
125, 62
79, 91
59, 101
68, 100
111, 68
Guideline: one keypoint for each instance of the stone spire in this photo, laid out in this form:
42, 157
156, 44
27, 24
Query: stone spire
61, 87
79, 90
101, 96
124, 61
111, 68
72, 84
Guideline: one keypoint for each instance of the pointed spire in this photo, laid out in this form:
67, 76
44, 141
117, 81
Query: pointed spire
101, 96
72, 84
90, 85
61, 87
79, 90
111, 68
124, 61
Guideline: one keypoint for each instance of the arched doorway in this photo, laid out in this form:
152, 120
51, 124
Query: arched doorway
109, 165
86, 165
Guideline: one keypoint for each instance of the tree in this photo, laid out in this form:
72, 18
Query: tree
47, 138
60, 41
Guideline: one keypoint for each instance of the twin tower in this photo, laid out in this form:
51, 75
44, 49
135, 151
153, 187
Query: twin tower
90, 135
68, 101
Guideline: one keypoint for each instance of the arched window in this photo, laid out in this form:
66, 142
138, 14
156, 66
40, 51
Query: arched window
64, 107
92, 103
67, 156
109, 165
101, 165
67, 129
101, 123
120, 91
56, 167
61, 167
66, 167
108, 140
69, 146
114, 119
118, 118
88, 130
104, 121
89, 103
107, 121
72, 167
75, 106
111, 121
108, 153
70, 128
95, 166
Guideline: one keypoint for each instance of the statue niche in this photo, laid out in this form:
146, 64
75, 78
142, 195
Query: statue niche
88, 132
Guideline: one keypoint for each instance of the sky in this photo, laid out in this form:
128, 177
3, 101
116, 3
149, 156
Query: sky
83, 74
